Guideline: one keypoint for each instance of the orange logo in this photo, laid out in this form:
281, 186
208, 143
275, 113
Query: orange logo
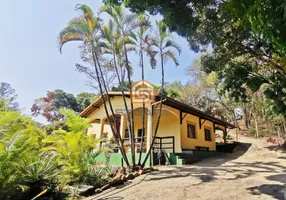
143, 91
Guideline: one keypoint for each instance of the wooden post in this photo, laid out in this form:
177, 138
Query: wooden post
149, 127
101, 129
224, 135
122, 125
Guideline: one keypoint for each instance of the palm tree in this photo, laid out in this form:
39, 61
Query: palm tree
164, 44
85, 29
113, 46
142, 43
126, 24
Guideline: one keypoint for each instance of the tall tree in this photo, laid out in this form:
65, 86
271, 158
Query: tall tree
86, 28
114, 46
142, 43
84, 99
50, 105
9, 96
126, 24
88, 70
164, 44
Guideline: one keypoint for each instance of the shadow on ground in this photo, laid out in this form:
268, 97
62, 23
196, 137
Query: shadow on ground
274, 190
222, 168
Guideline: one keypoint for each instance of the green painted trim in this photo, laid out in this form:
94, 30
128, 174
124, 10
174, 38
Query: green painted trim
116, 159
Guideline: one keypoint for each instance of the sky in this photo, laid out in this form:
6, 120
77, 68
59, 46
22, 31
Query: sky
30, 59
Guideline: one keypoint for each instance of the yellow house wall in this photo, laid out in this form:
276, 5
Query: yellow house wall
138, 121
118, 107
189, 143
169, 126
94, 129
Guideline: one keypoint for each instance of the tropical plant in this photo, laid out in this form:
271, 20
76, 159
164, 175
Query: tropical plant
164, 44
113, 46
142, 43
73, 147
126, 24
40, 173
86, 28
19, 139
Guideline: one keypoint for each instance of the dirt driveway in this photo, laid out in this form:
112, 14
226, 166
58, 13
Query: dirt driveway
255, 171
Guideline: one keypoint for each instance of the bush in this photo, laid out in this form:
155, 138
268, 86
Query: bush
56, 126
19, 139
33, 163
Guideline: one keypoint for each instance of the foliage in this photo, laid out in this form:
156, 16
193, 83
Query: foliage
7, 94
40, 173
50, 105
19, 139
73, 146
265, 18
32, 162
124, 86
84, 99
56, 126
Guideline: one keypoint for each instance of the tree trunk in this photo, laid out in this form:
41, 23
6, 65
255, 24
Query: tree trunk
234, 119
256, 125
124, 99
132, 110
119, 143
282, 130
247, 116
143, 107
160, 111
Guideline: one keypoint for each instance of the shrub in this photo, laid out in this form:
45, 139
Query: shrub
19, 139
74, 148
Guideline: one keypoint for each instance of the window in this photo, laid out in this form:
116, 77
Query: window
191, 131
139, 133
208, 134
126, 135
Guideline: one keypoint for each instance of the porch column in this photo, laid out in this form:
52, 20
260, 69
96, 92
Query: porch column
149, 127
101, 129
122, 125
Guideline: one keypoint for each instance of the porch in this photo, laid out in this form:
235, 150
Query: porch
168, 135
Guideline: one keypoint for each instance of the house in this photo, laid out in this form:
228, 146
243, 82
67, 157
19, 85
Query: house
182, 128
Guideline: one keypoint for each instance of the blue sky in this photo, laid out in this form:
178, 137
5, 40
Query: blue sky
31, 62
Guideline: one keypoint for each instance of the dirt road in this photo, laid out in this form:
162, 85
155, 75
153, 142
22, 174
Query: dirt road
255, 171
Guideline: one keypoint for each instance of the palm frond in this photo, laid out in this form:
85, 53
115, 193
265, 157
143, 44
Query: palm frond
170, 55
172, 44
133, 36
70, 34
153, 62
155, 42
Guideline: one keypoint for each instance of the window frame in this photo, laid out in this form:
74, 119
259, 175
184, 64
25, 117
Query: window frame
195, 134
139, 137
126, 133
210, 136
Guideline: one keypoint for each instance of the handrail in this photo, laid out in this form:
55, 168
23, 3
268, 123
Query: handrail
161, 143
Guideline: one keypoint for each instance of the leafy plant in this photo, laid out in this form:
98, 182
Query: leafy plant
73, 147
19, 139
40, 173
